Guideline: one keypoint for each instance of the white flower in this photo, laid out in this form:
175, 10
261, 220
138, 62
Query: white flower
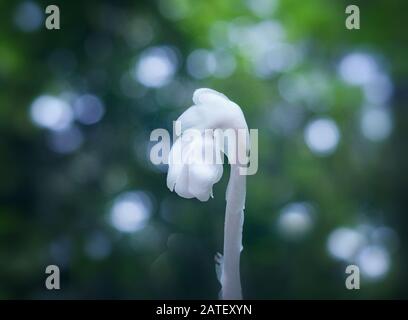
194, 169
190, 173
212, 110
192, 176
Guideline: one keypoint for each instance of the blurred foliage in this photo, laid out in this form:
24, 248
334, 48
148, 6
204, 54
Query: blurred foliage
55, 208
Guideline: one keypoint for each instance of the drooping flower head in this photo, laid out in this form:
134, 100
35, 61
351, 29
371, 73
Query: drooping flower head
193, 165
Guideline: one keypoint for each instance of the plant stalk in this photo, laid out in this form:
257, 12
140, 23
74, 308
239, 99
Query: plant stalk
234, 219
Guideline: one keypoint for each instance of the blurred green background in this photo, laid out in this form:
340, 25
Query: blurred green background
77, 106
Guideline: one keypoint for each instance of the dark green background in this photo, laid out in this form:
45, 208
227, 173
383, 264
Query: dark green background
52, 205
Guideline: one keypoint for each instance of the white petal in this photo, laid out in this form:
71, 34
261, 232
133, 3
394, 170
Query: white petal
175, 164
178, 176
182, 184
217, 111
203, 173
208, 96
192, 117
202, 177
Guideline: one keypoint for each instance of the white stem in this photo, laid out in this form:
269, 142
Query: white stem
234, 219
